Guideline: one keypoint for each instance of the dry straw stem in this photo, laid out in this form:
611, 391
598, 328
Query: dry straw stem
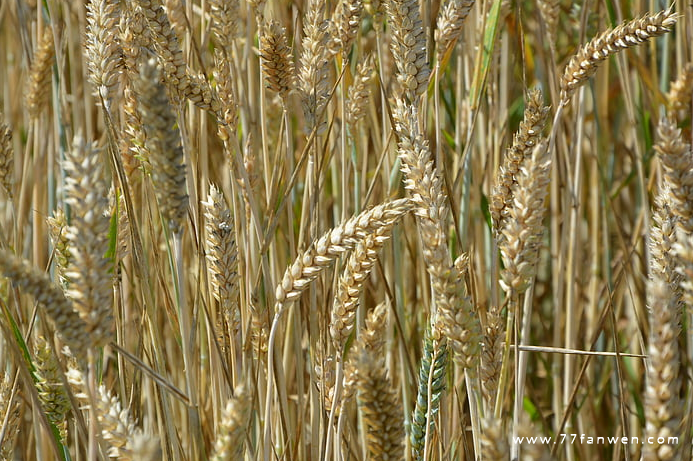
335, 242
125, 441
9, 418
49, 385
88, 272
346, 21
103, 53
164, 146
663, 383
6, 158
524, 141
585, 63
680, 93
69, 325
277, 60
381, 409
522, 232
39, 84
313, 82
231, 434
450, 21
350, 285
677, 162
358, 91
222, 255
455, 317
409, 47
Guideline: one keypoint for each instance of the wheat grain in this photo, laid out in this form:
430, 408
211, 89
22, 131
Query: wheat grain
634, 32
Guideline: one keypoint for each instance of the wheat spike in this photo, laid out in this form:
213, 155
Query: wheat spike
409, 47
523, 230
631, 33
230, 441
88, 271
164, 146
449, 24
6, 159
49, 385
335, 242
103, 52
313, 83
454, 318
10, 411
432, 370
39, 85
225, 22
494, 443
549, 10
380, 406
524, 140
681, 90
125, 441
277, 61
358, 92
346, 20
70, 327
222, 255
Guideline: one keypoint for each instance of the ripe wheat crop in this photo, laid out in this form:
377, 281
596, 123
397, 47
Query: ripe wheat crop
345, 230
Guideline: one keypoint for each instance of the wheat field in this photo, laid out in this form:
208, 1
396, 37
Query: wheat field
346, 230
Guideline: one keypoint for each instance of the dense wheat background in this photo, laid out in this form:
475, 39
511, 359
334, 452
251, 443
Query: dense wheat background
345, 230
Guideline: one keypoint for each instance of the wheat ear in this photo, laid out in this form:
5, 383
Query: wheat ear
409, 47
277, 60
454, 318
586, 61
6, 159
10, 412
70, 327
358, 92
681, 91
225, 22
313, 83
39, 85
88, 272
524, 141
51, 391
346, 20
449, 24
222, 255
164, 146
103, 52
231, 434
381, 409
125, 441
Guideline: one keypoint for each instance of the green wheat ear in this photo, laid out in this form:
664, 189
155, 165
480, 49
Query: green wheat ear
433, 364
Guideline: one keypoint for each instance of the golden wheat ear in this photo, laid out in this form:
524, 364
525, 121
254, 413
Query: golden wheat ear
588, 59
